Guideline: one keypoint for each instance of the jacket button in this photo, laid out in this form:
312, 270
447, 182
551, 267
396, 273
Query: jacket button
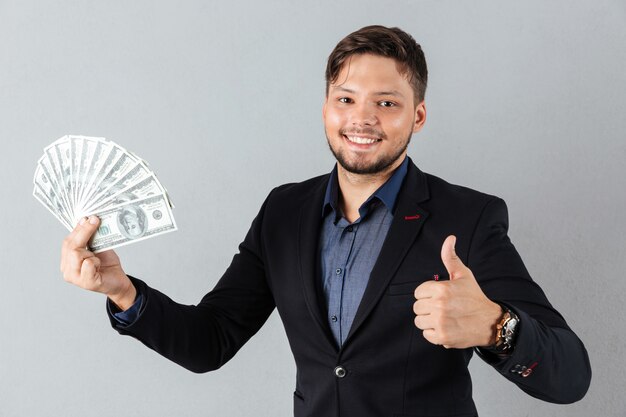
340, 372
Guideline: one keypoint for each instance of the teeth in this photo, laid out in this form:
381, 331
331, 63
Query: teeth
360, 140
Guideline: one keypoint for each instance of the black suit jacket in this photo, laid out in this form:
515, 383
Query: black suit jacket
390, 369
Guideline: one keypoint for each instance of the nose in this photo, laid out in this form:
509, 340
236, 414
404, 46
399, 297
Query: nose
363, 115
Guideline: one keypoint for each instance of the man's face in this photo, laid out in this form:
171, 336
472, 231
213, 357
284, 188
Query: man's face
131, 224
370, 115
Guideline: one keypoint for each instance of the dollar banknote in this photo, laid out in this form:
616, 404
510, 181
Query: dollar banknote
132, 222
78, 176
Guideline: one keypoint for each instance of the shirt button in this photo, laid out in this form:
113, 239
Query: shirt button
340, 372
349, 228
334, 319
338, 271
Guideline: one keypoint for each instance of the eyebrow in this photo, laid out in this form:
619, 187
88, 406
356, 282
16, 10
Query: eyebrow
378, 93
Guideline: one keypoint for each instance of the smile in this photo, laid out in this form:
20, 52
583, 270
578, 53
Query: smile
361, 140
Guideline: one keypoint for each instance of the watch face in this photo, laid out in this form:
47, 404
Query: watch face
510, 327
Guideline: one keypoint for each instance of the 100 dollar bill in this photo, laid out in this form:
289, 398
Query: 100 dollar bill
128, 223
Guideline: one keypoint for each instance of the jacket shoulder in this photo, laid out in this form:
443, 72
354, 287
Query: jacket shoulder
296, 192
441, 189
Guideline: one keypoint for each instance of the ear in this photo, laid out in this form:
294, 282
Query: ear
420, 117
324, 108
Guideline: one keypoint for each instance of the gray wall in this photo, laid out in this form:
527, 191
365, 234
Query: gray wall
526, 101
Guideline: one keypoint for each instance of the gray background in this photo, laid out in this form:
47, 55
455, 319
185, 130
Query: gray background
526, 101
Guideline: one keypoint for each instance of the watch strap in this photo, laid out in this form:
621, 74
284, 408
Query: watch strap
506, 332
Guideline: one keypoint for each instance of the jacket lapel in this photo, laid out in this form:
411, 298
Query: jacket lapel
408, 220
309, 225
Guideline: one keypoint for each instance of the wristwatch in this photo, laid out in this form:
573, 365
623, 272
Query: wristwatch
506, 332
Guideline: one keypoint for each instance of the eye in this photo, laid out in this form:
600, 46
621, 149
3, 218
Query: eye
386, 103
345, 100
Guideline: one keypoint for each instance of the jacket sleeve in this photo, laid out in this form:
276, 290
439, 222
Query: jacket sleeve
202, 338
549, 361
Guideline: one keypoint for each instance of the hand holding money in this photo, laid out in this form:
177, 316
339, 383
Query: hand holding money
101, 273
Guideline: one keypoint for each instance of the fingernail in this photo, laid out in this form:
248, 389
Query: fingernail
93, 220
82, 221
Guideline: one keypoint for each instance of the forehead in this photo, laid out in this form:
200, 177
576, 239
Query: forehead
367, 71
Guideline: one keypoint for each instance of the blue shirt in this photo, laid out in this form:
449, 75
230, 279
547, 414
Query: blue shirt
348, 252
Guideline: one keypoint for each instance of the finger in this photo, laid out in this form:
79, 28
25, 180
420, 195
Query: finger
64, 252
83, 232
425, 290
89, 271
74, 262
437, 338
67, 242
422, 307
76, 256
424, 322
76, 229
451, 261
431, 336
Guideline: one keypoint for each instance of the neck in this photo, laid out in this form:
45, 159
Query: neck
355, 189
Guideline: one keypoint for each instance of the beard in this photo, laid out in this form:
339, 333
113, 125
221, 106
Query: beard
360, 165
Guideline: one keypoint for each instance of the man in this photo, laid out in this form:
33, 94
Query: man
380, 309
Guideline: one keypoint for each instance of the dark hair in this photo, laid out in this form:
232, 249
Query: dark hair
388, 42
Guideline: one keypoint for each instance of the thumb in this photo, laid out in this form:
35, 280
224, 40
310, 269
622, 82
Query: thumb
451, 261
85, 229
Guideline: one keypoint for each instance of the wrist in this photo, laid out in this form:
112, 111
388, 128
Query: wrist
493, 317
125, 297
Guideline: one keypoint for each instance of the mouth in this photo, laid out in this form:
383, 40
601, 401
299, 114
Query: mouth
361, 140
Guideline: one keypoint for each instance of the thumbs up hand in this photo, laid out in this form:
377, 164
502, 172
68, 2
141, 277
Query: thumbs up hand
455, 313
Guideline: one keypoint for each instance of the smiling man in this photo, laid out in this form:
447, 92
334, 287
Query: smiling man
370, 113
387, 279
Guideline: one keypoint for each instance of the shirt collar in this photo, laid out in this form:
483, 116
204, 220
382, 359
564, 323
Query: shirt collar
387, 193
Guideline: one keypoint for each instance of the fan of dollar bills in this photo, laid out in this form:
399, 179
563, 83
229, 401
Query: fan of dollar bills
78, 176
